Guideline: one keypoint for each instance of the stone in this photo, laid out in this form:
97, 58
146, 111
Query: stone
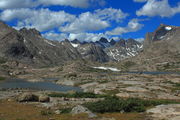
57, 112
165, 112
28, 97
44, 98
81, 109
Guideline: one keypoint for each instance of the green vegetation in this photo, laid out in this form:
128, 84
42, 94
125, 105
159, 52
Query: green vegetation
46, 112
65, 110
77, 95
2, 78
114, 104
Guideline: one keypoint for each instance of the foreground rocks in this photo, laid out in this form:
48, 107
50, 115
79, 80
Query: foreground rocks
29, 97
165, 112
80, 109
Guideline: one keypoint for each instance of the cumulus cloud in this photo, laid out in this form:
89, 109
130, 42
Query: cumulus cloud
158, 8
42, 19
51, 35
13, 4
132, 26
111, 14
98, 20
85, 22
139, 39
87, 36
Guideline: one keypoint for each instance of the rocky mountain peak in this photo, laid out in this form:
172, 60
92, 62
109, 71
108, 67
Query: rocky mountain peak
104, 40
76, 41
112, 42
31, 31
161, 33
121, 42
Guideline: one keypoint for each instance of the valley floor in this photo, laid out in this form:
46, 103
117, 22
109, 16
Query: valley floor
102, 82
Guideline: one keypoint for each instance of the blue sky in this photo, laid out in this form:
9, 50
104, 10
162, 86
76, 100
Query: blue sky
89, 20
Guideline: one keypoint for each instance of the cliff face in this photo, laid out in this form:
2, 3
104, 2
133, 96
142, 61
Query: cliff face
161, 50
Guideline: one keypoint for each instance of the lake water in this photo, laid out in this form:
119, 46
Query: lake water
47, 85
154, 73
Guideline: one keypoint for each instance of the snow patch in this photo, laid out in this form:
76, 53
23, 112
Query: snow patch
75, 45
107, 68
48, 42
168, 28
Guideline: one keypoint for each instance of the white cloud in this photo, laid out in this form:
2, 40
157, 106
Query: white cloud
132, 26
111, 14
158, 8
80, 36
98, 20
13, 4
139, 39
87, 36
85, 22
42, 19
72, 3
51, 35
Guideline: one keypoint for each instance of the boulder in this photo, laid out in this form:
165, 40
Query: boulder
27, 97
81, 109
44, 98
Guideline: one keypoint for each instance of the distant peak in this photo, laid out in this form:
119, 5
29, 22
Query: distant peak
104, 40
112, 42
76, 41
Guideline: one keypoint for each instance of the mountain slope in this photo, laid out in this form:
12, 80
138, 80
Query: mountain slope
161, 50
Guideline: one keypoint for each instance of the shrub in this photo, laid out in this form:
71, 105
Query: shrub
46, 113
77, 95
65, 110
2, 78
113, 104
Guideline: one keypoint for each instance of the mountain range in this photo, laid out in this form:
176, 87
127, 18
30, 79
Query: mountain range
28, 46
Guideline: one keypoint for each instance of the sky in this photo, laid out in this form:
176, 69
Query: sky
89, 20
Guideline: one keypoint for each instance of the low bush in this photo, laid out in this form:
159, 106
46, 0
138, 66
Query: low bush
114, 104
66, 110
46, 113
2, 78
77, 95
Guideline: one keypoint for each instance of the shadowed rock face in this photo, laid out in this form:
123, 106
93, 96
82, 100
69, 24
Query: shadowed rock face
93, 52
163, 32
28, 46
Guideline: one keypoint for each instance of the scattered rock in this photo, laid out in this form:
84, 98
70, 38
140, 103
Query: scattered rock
123, 95
80, 109
165, 112
57, 112
28, 97
43, 98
